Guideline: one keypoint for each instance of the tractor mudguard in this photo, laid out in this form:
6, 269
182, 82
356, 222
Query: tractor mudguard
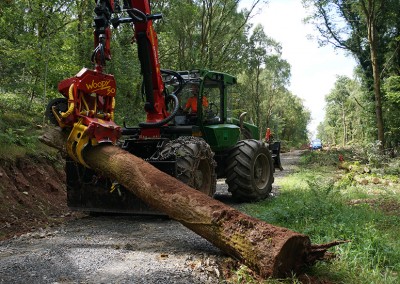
275, 149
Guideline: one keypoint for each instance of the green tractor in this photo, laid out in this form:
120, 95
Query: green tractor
198, 146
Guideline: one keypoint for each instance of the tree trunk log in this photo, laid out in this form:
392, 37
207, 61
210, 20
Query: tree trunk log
269, 250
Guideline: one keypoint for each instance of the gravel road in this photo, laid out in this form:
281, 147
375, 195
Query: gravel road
117, 249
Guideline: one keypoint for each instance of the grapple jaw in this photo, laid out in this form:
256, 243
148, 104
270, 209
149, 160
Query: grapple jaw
88, 110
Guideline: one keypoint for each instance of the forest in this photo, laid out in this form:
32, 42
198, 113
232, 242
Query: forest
347, 193
44, 42
362, 110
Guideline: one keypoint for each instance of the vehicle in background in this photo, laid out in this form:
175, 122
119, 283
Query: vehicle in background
316, 144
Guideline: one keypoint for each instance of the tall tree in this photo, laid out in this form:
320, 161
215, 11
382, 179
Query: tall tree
265, 77
362, 27
293, 119
347, 113
338, 98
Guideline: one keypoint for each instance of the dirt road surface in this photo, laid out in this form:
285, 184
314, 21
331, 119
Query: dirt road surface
119, 249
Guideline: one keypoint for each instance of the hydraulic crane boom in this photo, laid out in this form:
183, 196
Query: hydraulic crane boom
91, 93
146, 38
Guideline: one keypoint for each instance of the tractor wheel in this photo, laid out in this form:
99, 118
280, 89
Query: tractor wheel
60, 104
250, 171
195, 163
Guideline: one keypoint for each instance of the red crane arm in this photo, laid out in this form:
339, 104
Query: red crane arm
146, 39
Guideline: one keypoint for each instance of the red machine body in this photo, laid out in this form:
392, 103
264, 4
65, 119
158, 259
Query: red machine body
91, 99
147, 41
91, 88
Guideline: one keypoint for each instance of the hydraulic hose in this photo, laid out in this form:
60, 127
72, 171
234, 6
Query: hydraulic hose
165, 120
170, 96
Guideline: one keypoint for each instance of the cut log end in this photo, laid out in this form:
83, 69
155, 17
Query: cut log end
292, 257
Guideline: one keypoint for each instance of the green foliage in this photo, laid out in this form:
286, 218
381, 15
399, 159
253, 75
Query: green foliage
392, 89
322, 158
310, 201
47, 41
393, 168
17, 136
19, 126
203, 34
267, 100
371, 152
346, 119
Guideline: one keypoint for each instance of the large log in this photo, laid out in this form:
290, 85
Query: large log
269, 250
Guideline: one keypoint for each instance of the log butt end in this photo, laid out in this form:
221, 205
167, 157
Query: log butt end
292, 257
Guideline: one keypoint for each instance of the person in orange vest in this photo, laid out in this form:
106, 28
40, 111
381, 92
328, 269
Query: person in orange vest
191, 103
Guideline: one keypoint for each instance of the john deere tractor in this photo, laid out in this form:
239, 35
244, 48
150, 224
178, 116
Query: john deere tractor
195, 147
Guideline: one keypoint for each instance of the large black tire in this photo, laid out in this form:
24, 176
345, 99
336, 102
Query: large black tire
195, 163
249, 172
61, 105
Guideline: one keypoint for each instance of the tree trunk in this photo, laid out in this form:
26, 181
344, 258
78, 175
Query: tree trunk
267, 249
370, 13
344, 126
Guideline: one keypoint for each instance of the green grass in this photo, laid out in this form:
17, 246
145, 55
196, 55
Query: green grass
317, 202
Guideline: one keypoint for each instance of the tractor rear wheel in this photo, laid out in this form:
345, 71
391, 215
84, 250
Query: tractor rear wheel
250, 171
195, 163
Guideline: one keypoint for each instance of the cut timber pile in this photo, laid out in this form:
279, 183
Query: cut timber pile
269, 250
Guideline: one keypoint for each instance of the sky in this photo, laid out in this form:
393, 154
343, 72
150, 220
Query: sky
313, 69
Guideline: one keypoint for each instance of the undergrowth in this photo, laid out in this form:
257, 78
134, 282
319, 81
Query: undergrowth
20, 125
324, 203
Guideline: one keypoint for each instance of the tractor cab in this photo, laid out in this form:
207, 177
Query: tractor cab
203, 98
204, 107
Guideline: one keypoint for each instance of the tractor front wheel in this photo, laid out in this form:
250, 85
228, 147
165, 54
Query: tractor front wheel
195, 163
250, 171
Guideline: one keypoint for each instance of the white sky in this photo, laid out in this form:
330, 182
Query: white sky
313, 68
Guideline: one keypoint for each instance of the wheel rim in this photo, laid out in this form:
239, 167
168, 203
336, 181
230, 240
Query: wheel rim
261, 171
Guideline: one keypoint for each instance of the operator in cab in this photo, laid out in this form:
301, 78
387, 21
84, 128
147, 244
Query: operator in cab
191, 103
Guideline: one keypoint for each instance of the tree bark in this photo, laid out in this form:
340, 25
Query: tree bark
269, 250
370, 11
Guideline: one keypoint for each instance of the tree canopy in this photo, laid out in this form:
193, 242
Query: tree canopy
44, 42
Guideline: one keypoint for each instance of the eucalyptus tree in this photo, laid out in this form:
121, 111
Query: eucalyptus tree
364, 28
